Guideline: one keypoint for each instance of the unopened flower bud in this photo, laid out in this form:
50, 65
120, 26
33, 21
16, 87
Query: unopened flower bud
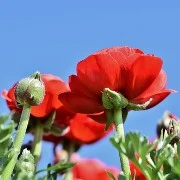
163, 124
30, 91
26, 162
174, 129
113, 100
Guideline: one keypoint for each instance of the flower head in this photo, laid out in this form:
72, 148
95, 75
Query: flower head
88, 169
128, 71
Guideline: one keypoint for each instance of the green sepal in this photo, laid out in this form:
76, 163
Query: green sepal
110, 119
113, 100
138, 107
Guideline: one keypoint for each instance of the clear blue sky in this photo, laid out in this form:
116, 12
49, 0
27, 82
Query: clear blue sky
52, 36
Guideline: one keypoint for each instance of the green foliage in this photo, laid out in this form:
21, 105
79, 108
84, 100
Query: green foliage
25, 167
156, 160
54, 170
25, 163
6, 131
111, 176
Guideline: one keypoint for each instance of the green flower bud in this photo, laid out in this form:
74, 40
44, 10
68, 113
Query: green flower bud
26, 162
30, 91
113, 100
174, 129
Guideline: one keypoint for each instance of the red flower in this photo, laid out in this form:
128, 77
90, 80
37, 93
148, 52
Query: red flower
129, 71
88, 169
78, 128
53, 86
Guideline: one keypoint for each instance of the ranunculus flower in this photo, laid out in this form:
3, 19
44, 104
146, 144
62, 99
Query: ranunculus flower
77, 127
53, 86
88, 169
128, 71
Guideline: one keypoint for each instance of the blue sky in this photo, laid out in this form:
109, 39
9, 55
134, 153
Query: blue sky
52, 36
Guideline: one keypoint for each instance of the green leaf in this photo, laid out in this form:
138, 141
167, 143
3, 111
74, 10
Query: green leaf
4, 118
178, 148
121, 177
6, 131
134, 145
57, 167
111, 175
5, 137
114, 142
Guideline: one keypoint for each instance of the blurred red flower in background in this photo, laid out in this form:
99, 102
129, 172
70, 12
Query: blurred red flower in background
87, 169
94, 169
53, 86
129, 71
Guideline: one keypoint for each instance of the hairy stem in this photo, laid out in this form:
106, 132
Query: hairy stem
37, 143
6, 174
120, 135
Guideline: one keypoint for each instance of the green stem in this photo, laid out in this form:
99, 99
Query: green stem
37, 143
120, 135
70, 149
6, 174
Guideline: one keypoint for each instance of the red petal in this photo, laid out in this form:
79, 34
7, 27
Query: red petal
87, 169
141, 75
156, 98
157, 86
100, 118
121, 54
86, 130
54, 86
63, 117
98, 72
77, 86
93, 169
44, 109
101, 70
80, 103
10, 99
